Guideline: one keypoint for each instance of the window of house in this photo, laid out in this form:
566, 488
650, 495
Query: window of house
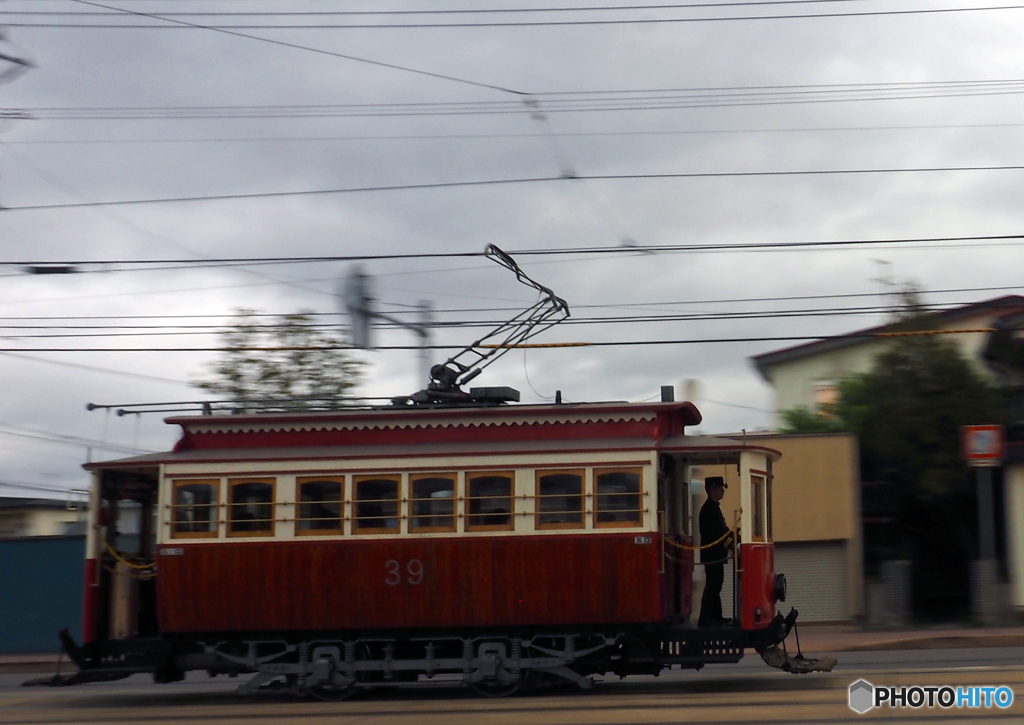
433, 502
194, 509
560, 499
826, 397
757, 499
321, 506
490, 501
617, 497
251, 507
376, 500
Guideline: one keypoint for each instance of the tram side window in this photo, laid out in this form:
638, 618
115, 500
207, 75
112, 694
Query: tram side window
433, 503
251, 507
757, 491
376, 504
560, 499
617, 494
321, 506
490, 502
194, 511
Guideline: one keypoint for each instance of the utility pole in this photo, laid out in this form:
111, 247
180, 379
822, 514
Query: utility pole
358, 301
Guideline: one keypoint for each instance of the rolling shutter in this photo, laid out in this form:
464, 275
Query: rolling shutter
818, 578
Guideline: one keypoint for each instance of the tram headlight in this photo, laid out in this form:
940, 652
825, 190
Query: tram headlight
780, 587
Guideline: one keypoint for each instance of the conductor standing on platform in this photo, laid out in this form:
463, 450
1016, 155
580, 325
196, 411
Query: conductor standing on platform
713, 528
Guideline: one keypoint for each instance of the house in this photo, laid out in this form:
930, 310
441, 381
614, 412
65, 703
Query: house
808, 375
21, 517
988, 334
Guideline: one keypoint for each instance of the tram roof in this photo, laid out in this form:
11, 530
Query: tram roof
700, 449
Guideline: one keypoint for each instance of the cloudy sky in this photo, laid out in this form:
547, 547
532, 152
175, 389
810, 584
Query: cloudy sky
641, 142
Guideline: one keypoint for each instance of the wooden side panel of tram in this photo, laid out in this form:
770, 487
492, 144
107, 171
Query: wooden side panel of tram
396, 583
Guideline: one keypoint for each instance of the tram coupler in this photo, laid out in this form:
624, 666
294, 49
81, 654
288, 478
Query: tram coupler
772, 648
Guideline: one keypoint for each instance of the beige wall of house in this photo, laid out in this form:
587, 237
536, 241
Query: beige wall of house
1013, 505
798, 382
35, 522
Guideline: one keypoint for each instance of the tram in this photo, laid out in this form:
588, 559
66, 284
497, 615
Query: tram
451, 536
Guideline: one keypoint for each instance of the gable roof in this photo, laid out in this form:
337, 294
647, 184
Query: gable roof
16, 502
1009, 304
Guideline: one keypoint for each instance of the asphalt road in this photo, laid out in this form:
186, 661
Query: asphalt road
748, 692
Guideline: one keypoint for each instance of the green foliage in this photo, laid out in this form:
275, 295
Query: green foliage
907, 413
802, 420
287, 360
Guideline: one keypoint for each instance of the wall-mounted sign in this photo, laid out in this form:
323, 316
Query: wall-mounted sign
982, 445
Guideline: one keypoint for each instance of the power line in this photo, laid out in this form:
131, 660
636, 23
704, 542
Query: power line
64, 439
551, 251
467, 11
474, 136
297, 46
181, 25
505, 182
666, 303
111, 214
604, 343
93, 368
83, 332
31, 487
556, 102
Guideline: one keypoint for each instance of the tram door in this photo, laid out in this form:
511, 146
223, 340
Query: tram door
674, 526
123, 595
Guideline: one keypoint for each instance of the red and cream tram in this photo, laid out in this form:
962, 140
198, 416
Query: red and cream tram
448, 535
362, 548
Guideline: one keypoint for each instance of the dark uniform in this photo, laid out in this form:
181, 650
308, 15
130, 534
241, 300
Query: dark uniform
712, 528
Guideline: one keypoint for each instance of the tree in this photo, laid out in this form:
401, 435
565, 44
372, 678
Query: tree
802, 420
289, 361
908, 410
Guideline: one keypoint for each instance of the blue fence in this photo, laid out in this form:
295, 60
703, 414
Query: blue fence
41, 584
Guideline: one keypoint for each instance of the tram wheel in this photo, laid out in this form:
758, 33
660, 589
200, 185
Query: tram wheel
329, 693
500, 689
334, 693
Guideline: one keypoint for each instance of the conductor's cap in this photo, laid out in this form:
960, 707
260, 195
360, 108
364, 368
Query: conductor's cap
714, 482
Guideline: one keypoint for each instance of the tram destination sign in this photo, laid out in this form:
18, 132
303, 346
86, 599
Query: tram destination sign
983, 445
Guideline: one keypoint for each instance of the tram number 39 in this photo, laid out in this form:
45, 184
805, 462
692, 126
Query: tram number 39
412, 573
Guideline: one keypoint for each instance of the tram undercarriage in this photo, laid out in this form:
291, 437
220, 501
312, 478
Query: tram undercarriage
490, 663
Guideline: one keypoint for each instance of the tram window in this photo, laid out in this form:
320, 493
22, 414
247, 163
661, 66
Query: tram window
251, 507
617, 493
768, 496
559, 499
194, 511
321, 505
490, 502
758, 502
376, 503
433, 502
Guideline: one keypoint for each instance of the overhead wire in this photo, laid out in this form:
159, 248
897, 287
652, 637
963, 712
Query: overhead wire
449, 11
526, 252
129, 224
172, 331
623, 305
513, 181
553, 345
492, 24
95, 369
475, 136
297, 46
539, 105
